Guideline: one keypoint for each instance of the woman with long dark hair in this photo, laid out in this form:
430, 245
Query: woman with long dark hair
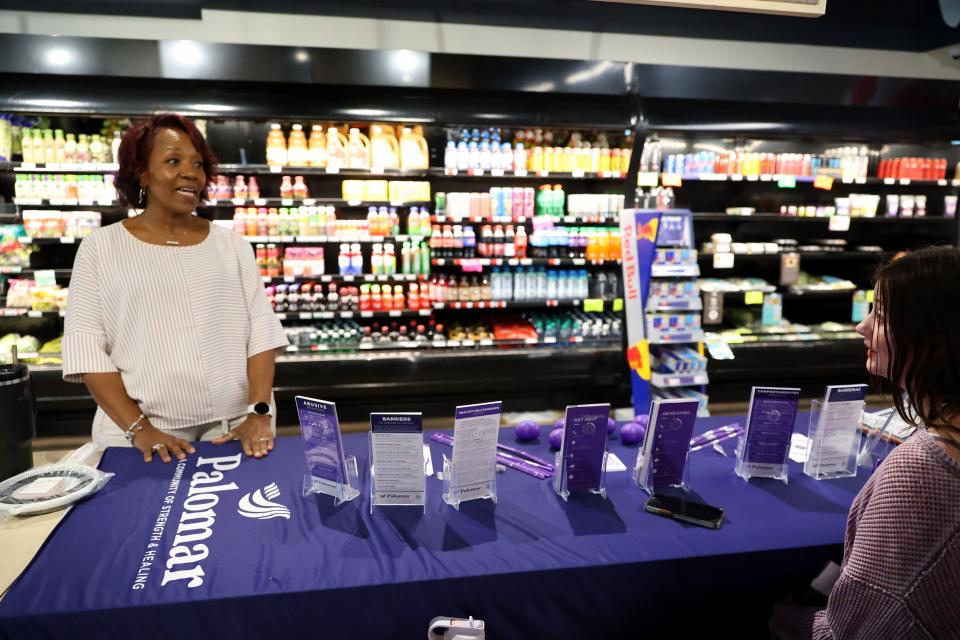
900, 576
167, 323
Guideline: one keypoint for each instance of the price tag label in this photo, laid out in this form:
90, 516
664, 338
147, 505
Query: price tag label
496, 173
425, 312
34, 314
576, 174
29, 166
486, 342
671, 180
787, 182
723, 261
889, 181
354, 203
346, 314
376, 171
306, 316
366, 314
309, 201
275, 169
396, 314
618, 304
238, 201
520, 173
25, 240
904, 181
550, 340
593, 305
475, 172
45, 278
736, 177
287, 279
260, 202
281, 316
286, 202
333, 170
67, 240
766, 177
753, 178
753, 297
839, 223
449, 172
543, 173
860, 180
823, 182
648, 179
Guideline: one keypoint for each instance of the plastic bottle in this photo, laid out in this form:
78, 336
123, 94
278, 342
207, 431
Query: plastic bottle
450, 155
356, 260
317, 147
286, 187
60, 146
336, 149
358, 154
463, 156
300, 189
276, 147
114, 146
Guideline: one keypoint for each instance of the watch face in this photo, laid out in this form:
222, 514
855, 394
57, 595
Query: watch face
261, 408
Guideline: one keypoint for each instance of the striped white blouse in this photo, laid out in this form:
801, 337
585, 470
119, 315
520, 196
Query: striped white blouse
177, 323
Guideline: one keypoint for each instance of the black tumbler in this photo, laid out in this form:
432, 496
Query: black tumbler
17, 420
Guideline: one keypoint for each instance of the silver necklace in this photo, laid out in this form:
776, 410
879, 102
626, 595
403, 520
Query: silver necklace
170, 242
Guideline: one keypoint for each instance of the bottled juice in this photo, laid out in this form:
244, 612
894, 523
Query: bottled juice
358, 150
317, 154
297, 153
60, 146
83, 149
336, 149
300, 189
276, 147
536, 159
286, 187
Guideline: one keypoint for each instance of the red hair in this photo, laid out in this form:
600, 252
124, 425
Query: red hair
135, 150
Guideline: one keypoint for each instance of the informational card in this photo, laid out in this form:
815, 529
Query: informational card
766, 441
664, 457
322, 443
397, 448
475, 431
583, 446
834, 438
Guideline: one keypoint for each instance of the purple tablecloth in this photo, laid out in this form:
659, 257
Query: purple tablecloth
530, 566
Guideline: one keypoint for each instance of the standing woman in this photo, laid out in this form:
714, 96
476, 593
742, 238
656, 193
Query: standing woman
167, 322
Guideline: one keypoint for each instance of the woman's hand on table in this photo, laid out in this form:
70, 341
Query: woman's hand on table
150, 440
255, 436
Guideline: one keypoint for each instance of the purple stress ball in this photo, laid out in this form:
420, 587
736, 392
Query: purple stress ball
560, 424
527, 430
611, 426
643, 420
632, 433
556, 438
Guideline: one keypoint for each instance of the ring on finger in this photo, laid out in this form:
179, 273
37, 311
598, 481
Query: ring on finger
159, 446
262, 438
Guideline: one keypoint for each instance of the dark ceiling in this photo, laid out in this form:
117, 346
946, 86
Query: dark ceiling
909, 25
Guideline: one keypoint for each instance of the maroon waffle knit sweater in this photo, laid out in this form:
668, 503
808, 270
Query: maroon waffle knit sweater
901, 555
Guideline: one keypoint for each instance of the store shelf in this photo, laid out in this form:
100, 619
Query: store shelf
295, 354
806, 180
674, 337
58, 240
675, 270
577, 220
504, 304
788, 294
707, 258
330, 239
398, 277
667, 381
262, 169
29, 271
10, 312
66, 202
349, 315
307, 202
773, 217
522, 262
85, 167
438, 172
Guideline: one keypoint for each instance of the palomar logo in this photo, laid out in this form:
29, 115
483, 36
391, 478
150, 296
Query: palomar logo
258, 504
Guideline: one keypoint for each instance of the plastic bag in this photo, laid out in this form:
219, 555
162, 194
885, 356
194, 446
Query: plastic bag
49, 488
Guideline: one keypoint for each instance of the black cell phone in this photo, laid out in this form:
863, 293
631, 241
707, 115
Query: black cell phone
685, 510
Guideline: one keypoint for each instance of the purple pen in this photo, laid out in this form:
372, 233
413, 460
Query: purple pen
504, 459
716, 435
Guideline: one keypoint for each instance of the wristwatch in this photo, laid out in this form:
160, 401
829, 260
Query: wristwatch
260, 409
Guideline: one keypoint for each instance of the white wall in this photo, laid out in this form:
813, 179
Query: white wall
364, 33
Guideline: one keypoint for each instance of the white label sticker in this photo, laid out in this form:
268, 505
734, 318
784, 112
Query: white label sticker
723, 261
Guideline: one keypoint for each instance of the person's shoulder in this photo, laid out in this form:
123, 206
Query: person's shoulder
911, 466
224, 236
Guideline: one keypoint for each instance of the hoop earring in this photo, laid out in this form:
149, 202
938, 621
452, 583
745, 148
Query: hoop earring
143, 198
